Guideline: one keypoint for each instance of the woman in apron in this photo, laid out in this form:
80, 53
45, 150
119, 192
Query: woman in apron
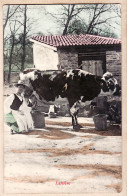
17, 111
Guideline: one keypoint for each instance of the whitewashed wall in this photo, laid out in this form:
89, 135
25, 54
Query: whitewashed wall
45, 57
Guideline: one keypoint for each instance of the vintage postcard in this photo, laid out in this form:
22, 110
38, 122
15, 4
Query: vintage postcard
63, 97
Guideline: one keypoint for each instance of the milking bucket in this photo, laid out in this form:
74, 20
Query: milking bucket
100, 121
38, 119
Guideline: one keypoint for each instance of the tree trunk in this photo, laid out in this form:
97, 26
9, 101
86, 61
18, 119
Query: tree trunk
10, 58
7, 16
66, 27
24, 40
68, 19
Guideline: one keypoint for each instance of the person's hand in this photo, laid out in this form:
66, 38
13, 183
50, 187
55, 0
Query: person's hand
21, 112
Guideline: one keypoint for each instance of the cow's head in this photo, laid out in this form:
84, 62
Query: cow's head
110, 85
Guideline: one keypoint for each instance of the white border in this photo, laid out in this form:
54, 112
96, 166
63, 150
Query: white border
124, 89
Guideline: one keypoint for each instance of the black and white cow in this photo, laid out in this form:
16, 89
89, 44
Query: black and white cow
75, 85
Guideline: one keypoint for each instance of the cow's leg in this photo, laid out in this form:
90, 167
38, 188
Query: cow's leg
74, 111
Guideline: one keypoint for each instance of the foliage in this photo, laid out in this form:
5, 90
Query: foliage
76, 27
17, 54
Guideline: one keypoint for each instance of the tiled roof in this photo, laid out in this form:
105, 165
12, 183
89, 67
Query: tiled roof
75, 40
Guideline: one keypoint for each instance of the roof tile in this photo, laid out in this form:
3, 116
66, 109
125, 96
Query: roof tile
71, 40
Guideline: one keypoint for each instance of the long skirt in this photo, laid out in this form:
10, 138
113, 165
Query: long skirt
19, 122
11, 122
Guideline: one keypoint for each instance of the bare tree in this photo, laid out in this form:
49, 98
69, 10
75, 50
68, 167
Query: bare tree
70, 15
97, 17
9, 14
17, 28
10, 57
66, 14
24, 38
10, 11
13, 30
25, 34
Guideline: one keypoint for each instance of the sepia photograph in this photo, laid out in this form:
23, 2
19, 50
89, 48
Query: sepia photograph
62, 76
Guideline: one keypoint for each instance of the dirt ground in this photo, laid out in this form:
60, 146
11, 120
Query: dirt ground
56, 159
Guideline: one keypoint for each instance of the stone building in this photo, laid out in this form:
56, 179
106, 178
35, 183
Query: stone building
92, 53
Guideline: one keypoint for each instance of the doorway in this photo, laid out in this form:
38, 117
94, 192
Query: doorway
93, 62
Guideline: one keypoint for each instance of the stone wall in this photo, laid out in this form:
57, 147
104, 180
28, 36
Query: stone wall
68, 58
113, 63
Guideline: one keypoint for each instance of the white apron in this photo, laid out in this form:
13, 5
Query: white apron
22, 116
